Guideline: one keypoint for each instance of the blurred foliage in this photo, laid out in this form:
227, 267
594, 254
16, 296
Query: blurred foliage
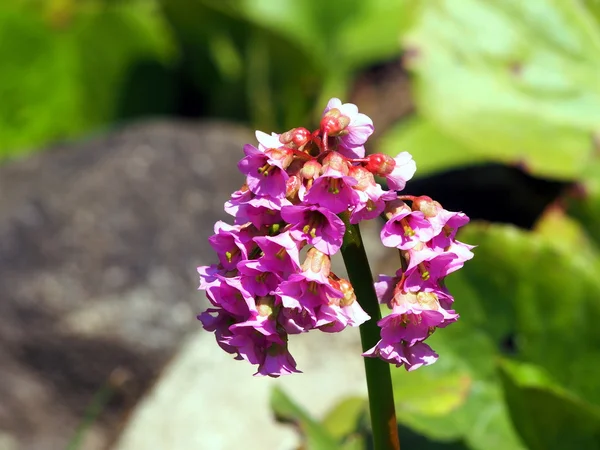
74, 66
508, 81
272, 62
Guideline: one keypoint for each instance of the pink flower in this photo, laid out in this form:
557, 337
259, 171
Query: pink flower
280, 253
405, 229
403, 171
231, 242
333, 192
400, 354
277, 361
318, 226
358, 129
264, 175
256, 278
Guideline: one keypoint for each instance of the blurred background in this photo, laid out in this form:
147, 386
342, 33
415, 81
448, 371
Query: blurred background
121, 122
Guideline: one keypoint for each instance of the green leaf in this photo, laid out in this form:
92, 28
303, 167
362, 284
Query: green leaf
314, 434
345, 418
546, 416
429, 393
513, 81
480, 419
550, 298
432, 149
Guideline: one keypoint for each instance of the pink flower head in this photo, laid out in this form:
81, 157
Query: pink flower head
317, 225
297, 183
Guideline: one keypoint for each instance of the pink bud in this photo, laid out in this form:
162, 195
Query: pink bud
298, 137
334, 123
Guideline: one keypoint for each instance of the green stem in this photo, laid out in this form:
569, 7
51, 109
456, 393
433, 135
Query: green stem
379, 380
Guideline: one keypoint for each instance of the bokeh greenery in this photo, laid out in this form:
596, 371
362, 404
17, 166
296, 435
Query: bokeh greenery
506, 81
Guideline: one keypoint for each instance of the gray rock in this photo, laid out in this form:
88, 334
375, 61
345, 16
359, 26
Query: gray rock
99, 241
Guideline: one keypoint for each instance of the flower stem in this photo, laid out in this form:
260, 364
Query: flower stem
379, 380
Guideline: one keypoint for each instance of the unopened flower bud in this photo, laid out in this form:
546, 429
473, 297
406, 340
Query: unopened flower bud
292, 186
348, 291
427, 206
311, 169
380, 164
395, 207
363, 176
335, 161
296, 137
283, 154
334, 123
317, 262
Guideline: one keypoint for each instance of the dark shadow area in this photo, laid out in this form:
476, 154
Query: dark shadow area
411, 440
491, 192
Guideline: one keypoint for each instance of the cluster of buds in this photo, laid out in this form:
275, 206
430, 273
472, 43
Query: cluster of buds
274, 274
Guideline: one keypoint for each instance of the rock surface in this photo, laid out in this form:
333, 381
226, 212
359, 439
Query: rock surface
99, 241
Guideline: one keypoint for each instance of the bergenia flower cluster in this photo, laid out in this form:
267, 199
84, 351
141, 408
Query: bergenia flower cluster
274, 276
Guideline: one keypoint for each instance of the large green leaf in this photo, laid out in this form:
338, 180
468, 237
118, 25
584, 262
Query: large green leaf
546, 416
550, 293
72, 69
472, 410
515, 81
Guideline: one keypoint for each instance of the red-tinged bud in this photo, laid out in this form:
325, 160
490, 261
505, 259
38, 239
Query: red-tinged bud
363, 176
292, 186
283, 154
395, 207
311, 169
335, 161
296, 137
334, 123
427, 206
317, 262
380, 164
